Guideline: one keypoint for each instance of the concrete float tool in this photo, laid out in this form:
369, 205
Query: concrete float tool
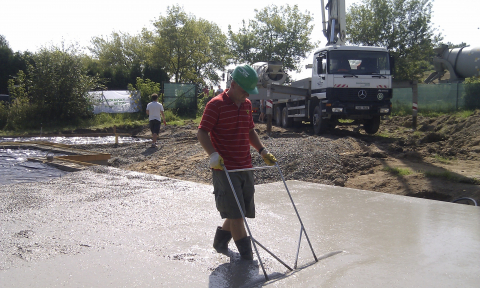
254, 241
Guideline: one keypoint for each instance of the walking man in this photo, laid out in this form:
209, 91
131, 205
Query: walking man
154, 110
219, 90
226, 133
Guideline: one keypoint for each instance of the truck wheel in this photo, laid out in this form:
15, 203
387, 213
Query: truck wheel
278, 116
371, 125
286, 122
319, 125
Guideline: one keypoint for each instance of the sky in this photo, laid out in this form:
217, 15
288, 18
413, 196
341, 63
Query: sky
31, 24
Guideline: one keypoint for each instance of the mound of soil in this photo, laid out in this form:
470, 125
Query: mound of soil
438, 160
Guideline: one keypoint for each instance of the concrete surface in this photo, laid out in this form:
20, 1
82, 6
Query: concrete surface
104, 227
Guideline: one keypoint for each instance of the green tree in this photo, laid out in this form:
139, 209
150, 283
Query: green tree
6, 58
121, 58
402, 26
146, 88
190, 50
451, 45
10, 64
277, 34
54, 89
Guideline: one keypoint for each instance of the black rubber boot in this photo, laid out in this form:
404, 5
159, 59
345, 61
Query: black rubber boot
244, 247
220, 242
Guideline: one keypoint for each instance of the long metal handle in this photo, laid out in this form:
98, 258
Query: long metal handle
296, 211
251, 169
245, 221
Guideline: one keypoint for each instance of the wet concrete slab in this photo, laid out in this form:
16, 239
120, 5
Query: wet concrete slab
105, 227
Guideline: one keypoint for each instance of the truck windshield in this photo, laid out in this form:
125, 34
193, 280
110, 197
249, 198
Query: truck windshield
358, 63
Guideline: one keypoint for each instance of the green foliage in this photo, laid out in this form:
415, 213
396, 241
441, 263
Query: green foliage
201, 103
452, 46
465, 113
10, 64
53, 89
190, 50
472, 93
170, 116
441, 159
121, 58
277, 34
402, 26
3, 114
107, 120
146, 88
398, 171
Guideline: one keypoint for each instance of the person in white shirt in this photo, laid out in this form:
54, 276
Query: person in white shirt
154, 110
219, 90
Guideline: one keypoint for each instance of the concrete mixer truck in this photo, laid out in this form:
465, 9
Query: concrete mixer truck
347, 82
461, 62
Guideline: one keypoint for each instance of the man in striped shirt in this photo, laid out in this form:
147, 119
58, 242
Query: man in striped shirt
226, 133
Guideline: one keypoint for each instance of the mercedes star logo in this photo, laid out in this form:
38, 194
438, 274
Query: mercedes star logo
362, 94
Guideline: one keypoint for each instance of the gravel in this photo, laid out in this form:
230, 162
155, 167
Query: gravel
326, 160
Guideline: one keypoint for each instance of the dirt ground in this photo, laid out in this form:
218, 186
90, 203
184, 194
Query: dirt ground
439, 159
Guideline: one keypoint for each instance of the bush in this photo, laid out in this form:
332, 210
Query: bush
22, 116
472, 93
3, 114
54, 89
146, 88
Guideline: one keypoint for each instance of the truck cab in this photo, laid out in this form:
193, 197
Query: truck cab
352, 82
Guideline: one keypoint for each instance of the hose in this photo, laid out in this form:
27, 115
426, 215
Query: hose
466, 198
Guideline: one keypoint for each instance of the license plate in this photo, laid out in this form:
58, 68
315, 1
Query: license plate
362, 107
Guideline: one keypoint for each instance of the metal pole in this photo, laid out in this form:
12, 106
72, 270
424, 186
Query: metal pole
296, 211
245, 221
269, 110
298, 248
415, 104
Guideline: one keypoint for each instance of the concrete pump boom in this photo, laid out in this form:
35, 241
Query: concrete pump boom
334, 28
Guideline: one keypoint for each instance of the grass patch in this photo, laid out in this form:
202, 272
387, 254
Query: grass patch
450, 176
465, 114
441, 159
104, 121
397, 171
383, 135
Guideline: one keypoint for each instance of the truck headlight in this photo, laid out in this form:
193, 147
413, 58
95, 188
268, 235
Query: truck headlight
384, 110
337, 110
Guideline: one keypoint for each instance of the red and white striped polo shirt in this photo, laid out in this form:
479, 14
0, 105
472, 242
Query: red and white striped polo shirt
229, 127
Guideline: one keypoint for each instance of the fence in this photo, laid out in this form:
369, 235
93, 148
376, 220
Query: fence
180, 97
444, 97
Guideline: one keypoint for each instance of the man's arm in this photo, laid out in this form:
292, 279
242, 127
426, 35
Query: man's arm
257, 144
254, 139
205, 141
148, 113
163, 117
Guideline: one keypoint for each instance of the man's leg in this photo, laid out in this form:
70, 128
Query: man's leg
154, 138
239, 235
236, 227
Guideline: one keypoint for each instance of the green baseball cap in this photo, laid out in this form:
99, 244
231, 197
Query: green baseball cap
247, 78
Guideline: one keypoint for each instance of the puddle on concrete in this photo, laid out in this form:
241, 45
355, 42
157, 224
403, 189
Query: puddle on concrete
76, 140
15, 168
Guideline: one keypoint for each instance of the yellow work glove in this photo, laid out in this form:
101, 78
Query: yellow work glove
269, 159
216, 161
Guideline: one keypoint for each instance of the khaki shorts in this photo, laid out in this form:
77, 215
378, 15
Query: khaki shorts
224, 199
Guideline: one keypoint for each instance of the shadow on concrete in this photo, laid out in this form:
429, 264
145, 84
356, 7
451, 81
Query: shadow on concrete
237, 273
